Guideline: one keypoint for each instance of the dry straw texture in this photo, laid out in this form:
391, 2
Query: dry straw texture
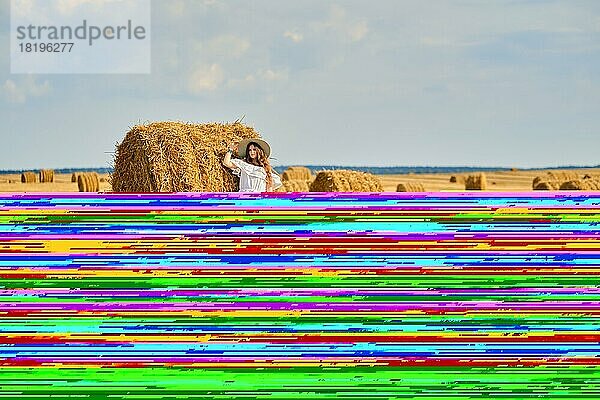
46, 175
555, 176
88, 182
28, 177
296, 174
547, 185
346, 181
585, 184
295, 186
177, 157
74, 177
476, 182
410, 187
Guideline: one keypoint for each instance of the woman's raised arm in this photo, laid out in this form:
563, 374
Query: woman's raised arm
227, 159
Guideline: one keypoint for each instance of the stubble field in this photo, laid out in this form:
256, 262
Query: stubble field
497, 181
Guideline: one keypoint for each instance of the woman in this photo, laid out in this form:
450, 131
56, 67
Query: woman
254, 169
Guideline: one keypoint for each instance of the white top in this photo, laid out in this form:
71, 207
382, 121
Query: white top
252, 177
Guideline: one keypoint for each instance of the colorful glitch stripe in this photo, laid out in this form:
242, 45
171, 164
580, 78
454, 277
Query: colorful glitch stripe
300, 296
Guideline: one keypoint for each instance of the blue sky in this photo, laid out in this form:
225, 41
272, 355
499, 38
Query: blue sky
379, 83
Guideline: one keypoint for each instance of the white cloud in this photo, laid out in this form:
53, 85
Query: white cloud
294, 36
21, 8
357, 31
264, 75
271, 75
245, 82
69, 6
348, 28
19, 92
226, 46
218, 49
12, 92
205, 78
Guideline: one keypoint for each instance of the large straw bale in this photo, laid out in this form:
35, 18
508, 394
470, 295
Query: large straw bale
584, 184
177, 157
476, 182
345, 181
46, 175
88, 182
82, 183
547, 185
28, 177
563, 175
555, 176
410, 187
295, 185
296, 173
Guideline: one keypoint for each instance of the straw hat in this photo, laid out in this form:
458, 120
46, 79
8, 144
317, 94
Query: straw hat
243, 145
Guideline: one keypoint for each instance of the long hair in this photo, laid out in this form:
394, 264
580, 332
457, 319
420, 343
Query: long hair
261, 160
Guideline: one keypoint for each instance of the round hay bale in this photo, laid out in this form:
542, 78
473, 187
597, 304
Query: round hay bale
94, 181
476, 182
295, 186
46, 175
177, 157
586, 184
457, 179
555, 176
563, 176
74, 177
592, 184
410, 187
345, 181
572, 185
296, 174
28, 177
81, 183
547, 185
88, 182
